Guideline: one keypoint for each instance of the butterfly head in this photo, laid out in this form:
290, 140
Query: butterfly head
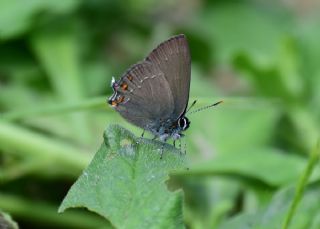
183, 123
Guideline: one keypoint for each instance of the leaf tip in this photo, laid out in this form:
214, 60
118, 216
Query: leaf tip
61, 208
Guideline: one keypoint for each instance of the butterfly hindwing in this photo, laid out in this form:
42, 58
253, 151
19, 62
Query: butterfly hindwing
143, 96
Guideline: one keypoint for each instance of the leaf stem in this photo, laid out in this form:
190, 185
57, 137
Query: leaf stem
100, 103
92, 103
47, 214
27, 143
314, 157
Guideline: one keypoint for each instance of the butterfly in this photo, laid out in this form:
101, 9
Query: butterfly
154, 93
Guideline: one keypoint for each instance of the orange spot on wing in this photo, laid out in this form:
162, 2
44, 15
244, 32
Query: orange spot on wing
120, 99
114, 103
124, 86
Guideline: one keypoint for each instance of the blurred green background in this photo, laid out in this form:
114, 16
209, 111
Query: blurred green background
56, 62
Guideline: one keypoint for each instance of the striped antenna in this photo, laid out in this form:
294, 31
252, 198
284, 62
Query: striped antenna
206, 107
193, 103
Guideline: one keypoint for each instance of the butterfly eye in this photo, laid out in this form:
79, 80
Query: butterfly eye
183, 123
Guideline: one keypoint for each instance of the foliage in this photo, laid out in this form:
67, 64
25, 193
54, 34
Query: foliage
129, 176
57, 59
6, 222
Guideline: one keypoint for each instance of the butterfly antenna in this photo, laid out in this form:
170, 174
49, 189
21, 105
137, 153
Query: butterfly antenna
193, 103
206, 107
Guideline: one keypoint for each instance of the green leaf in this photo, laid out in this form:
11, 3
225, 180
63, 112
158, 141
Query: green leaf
296, 208
17, 17
58, 51
282, 79
307, 216
240, 27
125, 183
255, 165
227, 133
6, 222
266, 81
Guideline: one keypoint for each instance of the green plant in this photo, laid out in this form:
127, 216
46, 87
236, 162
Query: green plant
56, 62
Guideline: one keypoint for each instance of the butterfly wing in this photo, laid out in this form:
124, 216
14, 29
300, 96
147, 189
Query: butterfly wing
143, 96
173, 59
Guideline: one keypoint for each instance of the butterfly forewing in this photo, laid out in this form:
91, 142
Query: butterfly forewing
173, 59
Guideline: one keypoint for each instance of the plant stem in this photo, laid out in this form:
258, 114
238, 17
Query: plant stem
27, 143
63, 108
100, 103
306, 125
314, 157
47, 214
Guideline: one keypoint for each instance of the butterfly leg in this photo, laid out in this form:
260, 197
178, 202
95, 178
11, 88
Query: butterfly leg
161, 151
141, 136
163, 138
162, 147
143, 133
